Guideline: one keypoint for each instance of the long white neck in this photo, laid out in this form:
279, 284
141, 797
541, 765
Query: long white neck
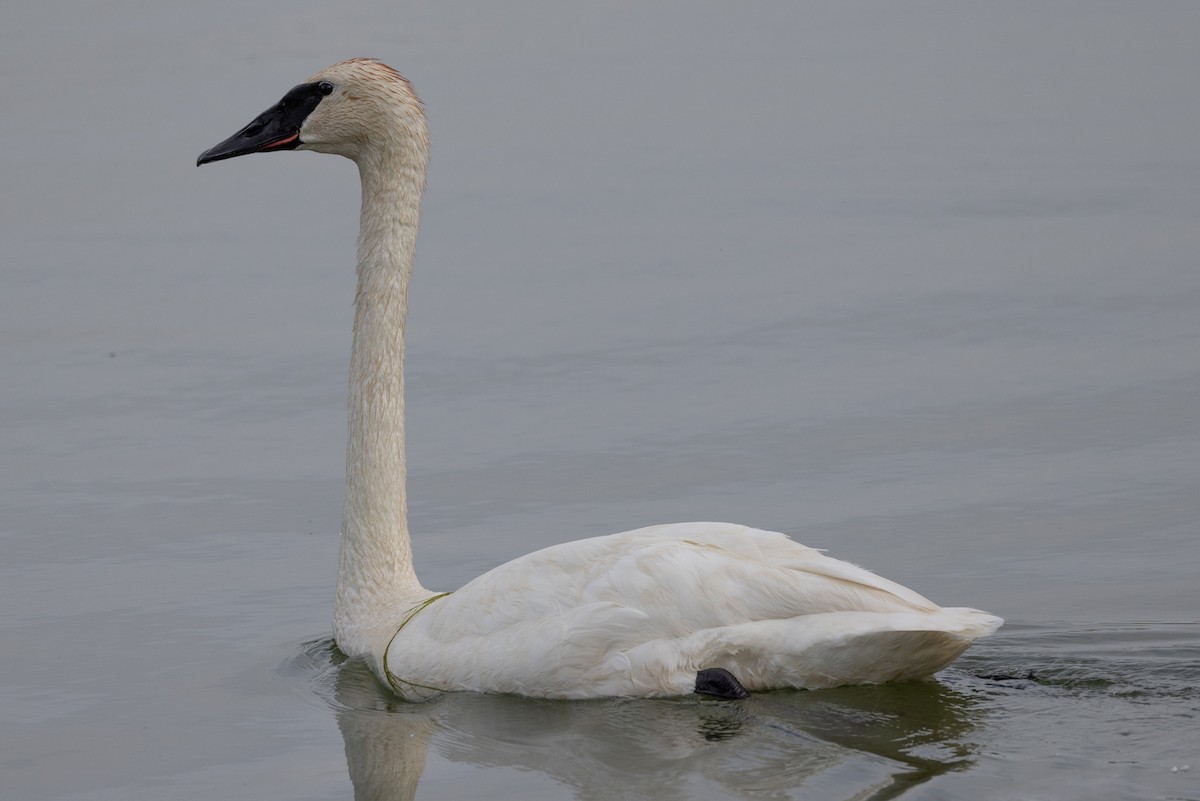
376, 581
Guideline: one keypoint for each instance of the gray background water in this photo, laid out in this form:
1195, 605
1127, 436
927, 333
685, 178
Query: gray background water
914, 282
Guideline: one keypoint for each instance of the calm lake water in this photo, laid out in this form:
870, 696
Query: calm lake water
917, 283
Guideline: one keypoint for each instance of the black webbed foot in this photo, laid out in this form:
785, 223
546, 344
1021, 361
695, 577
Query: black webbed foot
719, 683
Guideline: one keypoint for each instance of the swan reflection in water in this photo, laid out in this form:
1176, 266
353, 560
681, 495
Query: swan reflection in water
855, 742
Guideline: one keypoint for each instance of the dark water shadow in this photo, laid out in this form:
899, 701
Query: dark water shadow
862, 743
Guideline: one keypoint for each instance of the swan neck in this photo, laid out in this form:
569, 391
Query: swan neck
376, 579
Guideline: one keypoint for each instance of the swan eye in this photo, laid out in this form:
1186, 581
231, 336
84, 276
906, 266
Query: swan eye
325, 87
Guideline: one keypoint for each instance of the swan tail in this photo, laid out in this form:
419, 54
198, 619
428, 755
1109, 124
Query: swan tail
817, 651
971, 623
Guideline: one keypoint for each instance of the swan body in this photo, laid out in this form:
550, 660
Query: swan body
641, 613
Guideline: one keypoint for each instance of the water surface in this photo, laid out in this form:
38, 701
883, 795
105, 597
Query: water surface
915, 283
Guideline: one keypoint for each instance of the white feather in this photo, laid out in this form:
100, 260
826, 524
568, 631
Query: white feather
639, 613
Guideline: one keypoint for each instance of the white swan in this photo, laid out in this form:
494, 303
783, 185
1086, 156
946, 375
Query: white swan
668, 610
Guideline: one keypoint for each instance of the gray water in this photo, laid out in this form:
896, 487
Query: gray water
914, 282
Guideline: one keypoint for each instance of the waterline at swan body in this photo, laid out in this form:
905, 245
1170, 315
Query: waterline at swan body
661, 611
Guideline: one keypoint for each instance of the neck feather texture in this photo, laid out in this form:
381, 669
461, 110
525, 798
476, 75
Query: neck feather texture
376, 581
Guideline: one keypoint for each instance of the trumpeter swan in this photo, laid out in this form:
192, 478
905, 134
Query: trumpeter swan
668, 610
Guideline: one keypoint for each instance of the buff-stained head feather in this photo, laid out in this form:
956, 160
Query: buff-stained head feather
372, 110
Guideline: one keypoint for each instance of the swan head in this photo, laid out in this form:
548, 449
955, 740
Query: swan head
361, 109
